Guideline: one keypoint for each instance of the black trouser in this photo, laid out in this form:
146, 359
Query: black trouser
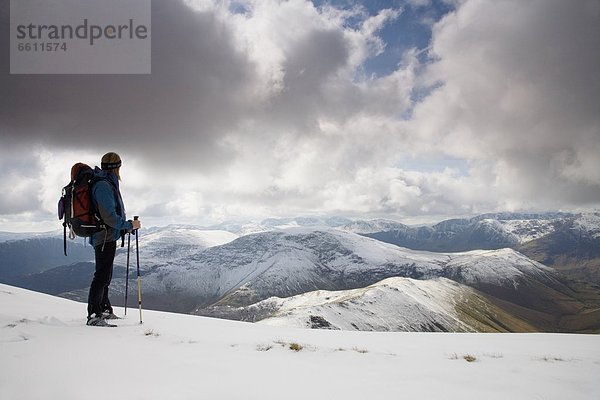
98, 297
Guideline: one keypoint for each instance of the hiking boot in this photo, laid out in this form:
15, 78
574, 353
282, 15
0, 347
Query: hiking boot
97, 321
107, 315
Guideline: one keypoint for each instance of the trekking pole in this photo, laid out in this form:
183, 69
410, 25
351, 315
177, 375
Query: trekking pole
127, 274
137, 255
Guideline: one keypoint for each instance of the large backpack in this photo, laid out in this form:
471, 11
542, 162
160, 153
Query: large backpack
76, 207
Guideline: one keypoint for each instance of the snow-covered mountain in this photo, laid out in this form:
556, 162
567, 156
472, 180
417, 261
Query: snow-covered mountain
460, 234
37, 254
242, 228
568, 242
394, 304
294, 261
46, 352
588, 224
171, 243
38, 262
573, 247
290, 262
373, 226
282, 223
526, 230
188, 268
12, 236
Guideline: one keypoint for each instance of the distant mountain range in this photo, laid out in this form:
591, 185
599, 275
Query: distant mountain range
298, 261
568, 242
573, 247
32, 255
334, 273
38, 262
487, 231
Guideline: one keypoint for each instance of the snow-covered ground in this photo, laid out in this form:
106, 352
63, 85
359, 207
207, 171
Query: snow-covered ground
46, 352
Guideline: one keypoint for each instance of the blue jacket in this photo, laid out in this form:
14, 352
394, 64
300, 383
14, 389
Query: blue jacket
109, 205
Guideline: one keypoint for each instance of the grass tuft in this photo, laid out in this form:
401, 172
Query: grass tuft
552, 359
150, 332
361, 351
493, 355
295, 347
264, 347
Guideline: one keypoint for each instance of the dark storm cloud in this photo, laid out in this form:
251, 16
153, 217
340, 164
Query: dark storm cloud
314, 60
175, 114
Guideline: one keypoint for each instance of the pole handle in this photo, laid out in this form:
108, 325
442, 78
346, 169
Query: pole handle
135, 218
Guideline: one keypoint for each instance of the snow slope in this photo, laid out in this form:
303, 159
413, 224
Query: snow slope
526, 230
394, 304
47, 353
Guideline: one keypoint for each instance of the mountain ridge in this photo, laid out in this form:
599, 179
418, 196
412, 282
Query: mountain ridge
186, 269
394, 304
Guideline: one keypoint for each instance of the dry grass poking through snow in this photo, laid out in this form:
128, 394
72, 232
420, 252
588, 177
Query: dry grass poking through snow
296, 347
151, 332
466, 357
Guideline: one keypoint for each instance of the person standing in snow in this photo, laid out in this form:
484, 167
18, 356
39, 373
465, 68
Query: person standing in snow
107, 201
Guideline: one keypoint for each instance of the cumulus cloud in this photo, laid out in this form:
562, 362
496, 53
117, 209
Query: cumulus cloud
19, 177
519, 86
260, 108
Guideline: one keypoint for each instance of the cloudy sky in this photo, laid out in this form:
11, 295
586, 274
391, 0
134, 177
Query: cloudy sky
413, 110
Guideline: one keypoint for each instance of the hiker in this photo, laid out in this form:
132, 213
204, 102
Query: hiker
109, 205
